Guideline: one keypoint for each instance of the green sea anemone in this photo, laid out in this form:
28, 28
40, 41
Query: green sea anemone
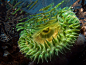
48, 33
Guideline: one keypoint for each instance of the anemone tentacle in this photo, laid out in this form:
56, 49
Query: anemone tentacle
49, 33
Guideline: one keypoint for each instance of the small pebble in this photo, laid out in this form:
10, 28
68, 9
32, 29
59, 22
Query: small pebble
6, 53
80, 40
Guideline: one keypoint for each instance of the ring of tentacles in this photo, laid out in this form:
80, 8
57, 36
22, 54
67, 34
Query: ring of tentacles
48, 33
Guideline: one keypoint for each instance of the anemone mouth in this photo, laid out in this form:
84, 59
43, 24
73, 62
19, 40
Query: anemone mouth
47, 33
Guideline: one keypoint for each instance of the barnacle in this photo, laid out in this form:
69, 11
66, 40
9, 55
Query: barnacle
48, 33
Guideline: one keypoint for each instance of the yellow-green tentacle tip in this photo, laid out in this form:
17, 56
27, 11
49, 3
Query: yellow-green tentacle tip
48, 33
